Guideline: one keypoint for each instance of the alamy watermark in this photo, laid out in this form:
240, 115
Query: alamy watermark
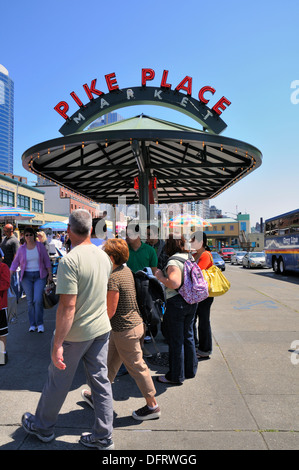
295, 93
138, 220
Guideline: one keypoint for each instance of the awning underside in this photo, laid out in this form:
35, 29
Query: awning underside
102, 165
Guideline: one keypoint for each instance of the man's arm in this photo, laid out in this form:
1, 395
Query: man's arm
16, 246
153, 263
64, 320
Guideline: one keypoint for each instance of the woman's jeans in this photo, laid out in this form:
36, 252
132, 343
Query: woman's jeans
204, 338
179, 320
34, 286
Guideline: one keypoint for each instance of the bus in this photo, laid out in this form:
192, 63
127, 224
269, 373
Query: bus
282, 242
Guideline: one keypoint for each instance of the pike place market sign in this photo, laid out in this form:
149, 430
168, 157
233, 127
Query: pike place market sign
178, 98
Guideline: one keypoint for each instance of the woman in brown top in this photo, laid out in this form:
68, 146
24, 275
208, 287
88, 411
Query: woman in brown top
127, 329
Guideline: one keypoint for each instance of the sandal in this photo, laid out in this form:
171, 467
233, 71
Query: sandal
163, 380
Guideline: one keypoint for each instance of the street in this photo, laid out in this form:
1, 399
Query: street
244, 397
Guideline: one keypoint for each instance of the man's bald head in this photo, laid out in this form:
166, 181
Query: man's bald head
8, 230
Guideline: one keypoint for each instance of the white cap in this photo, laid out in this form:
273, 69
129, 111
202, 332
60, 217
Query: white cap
3, 70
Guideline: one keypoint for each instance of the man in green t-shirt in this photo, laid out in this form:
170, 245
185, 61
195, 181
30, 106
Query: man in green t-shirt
82, 332
141, 255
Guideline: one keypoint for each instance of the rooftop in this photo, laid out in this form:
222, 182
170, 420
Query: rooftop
224, 220
3, 70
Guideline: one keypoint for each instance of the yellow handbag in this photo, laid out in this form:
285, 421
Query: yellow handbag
217, 282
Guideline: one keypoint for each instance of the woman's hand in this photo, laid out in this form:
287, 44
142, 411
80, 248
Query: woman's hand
159, 274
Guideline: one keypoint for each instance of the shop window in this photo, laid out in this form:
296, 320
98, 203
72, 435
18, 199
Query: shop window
7, 198
37, 206
23, 202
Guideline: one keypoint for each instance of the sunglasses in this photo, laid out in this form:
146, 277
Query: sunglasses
28, 234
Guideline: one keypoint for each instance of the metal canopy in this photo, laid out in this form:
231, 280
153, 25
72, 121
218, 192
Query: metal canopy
101, 163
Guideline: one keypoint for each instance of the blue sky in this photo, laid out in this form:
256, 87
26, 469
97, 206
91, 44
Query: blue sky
247, 51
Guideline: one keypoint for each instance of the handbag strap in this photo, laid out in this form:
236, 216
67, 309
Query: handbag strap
211, 257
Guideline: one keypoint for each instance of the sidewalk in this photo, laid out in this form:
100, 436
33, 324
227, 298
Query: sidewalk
244, 397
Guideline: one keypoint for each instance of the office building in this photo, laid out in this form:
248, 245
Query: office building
6, 121
62, 201
201, 208
106, 119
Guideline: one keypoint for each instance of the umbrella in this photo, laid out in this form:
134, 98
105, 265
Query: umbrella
56, 226
187, 221
15, 213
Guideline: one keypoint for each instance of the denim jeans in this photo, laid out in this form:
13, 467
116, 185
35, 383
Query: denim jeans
204, 337
178, 327
33, 286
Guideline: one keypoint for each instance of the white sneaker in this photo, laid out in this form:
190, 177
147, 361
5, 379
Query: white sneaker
32, 328
88, 440
40, 329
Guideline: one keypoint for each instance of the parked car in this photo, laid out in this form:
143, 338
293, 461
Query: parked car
237, 257
254, 259
218, 261
226, 253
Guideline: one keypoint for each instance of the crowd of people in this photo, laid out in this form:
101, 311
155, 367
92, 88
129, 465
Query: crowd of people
98, 320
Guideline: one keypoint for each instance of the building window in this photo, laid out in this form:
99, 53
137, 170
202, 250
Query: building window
37, 206
23, 202
231, 228
7, 198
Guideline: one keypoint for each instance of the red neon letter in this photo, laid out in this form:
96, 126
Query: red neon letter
221, 104
147, 74
181, 86
76, 99
111, 82
164, 80
202, 91
92, 89
62, 107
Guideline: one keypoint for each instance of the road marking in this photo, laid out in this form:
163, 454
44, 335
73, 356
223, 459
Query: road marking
245, 305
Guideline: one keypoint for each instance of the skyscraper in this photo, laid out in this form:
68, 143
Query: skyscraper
6, 121
106, 119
